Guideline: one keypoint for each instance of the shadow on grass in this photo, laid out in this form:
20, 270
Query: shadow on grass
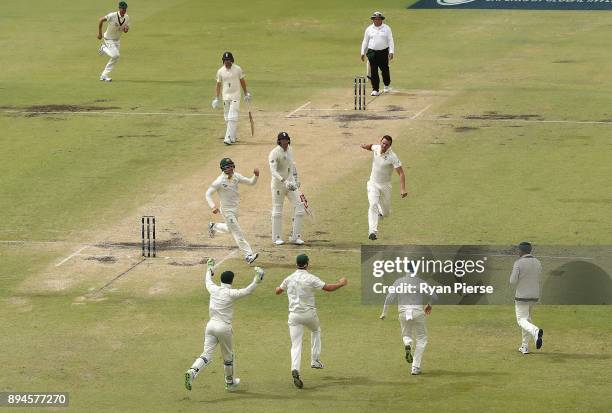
563, 357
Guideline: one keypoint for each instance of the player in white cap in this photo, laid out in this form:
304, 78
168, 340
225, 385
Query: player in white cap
219, 327
226, 185
230, 78
118, 22
384, 161
300, 287
285, 183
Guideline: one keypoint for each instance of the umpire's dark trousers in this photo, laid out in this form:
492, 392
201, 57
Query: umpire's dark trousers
379, 59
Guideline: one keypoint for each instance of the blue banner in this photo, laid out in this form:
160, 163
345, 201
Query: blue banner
514, 4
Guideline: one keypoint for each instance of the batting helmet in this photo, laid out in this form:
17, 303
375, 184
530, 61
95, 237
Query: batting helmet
225, 162
227, 56
281, 136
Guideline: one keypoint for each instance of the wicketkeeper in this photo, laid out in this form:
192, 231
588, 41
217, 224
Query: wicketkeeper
219, 327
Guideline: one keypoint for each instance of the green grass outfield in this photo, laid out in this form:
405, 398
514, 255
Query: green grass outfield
482, 181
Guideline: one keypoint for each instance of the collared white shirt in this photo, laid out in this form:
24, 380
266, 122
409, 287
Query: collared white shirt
300, 287
231, 81
115, 25
282, 165
407, 301
526, 275
383, 165
377, 38
227, 188
222, 297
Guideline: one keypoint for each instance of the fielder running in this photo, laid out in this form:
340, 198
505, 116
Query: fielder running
411, 317
118, 22
219, 327
384, 161
526, 275
300, 287
285, 183
230, 77
226, 185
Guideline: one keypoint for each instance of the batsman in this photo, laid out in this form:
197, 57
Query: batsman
285, 183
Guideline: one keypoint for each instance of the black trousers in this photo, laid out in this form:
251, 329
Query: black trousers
379, 59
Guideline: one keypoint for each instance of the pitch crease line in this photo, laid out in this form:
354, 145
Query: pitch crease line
298, 109
70, 256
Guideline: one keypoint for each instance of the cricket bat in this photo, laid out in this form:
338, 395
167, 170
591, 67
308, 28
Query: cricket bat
251, 121
304, 202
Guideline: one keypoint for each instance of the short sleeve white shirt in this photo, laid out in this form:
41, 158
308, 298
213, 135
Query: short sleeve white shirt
115, 25
230, 78
383, 165
300, 287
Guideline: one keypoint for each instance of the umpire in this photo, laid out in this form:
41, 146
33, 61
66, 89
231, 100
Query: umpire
378, 46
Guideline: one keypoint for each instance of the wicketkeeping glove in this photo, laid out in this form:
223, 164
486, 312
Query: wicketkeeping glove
215, 103
210, 264
259, 274
247, 97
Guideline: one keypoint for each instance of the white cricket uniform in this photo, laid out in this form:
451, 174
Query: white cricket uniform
300, 287
112, 36
227, 188
282, 167
411, 315
526, 275
377, 38
379, 185
219, 327
230, 79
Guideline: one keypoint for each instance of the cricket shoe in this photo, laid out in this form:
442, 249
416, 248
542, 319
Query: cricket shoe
415, 371
317, 364
373, 236
105, 79
296, 379
387, 89
227, 142
279, 241
539, 340
523, 349
251, 258
375, 93
211, 229
233, 385
297, 241
408, 353
189, 376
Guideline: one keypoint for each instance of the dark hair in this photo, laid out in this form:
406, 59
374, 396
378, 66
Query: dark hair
389, 138
227, 277
525, 247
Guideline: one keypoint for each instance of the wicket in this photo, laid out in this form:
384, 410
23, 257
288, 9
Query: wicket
360, 92
146, 246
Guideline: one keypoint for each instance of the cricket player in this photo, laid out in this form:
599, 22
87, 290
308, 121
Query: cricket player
118, 22
411, 317
284, 184
300, 287
230, 77
226, 185
219, 327
526, 275
384, 161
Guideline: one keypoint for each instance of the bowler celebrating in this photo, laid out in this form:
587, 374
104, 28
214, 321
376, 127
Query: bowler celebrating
300, 287
226, 185
118, 22
384, 161
219, 327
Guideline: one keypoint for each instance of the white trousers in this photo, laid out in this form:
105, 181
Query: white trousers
231, 111
231, 225
414, 330
217, 332
111, 48
379, 198
524, 309
279, 193
297, 322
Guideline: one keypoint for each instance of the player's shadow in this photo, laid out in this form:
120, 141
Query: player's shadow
162, 81
462, 373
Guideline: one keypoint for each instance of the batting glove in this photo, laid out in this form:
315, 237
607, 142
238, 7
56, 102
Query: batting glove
259, 274
290, 186
247, 97
215, 103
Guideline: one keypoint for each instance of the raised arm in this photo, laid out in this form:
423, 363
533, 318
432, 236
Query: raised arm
249, 181
333, 287
208, 282
402, 176
366, 146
